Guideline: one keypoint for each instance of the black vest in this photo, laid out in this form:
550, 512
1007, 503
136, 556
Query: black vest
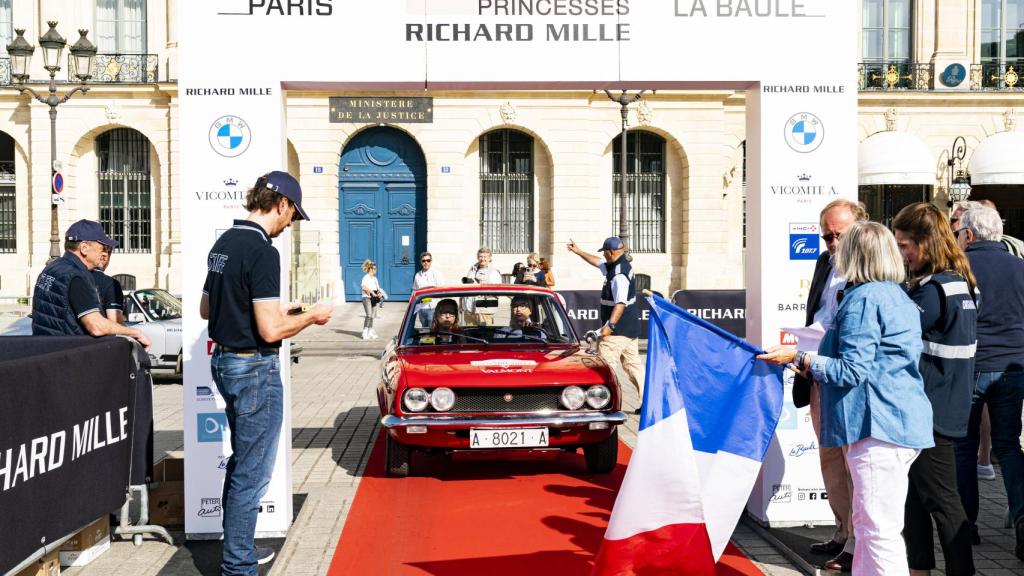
947, 360
51, 311
629, 323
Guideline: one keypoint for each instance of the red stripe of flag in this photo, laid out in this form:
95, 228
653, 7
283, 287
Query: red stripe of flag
673, 549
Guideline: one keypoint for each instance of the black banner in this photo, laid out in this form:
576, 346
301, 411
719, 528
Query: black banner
66, 435
584, 310
726, 309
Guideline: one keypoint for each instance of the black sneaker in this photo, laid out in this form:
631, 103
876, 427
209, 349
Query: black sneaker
264, 555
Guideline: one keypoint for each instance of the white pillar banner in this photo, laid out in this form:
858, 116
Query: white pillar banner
794, 58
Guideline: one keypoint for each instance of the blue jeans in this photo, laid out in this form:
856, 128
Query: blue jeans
1003, 392
251, 387
426, 316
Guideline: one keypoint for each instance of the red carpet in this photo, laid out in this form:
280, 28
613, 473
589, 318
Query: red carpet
490, 518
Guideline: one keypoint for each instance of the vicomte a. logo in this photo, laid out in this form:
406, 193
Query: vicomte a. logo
804, 132
230, 136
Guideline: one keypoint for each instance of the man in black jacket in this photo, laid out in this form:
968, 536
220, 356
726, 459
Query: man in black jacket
999, 364
822, 303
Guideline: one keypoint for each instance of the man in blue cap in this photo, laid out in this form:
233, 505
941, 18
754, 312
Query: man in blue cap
242, 301
65, 301
620, 334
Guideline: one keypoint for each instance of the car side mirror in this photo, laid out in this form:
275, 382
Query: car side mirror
136, 317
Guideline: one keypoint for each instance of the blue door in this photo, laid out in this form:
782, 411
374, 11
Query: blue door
382, 191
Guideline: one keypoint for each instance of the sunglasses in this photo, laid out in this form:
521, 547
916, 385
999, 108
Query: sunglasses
829, 237
425, 260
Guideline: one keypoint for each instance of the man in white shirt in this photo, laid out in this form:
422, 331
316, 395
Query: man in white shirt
480, 273
426, 278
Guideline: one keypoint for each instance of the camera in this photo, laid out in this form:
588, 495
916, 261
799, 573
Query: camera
468, 280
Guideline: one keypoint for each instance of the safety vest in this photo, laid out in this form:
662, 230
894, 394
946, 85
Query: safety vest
629, 322
51, 311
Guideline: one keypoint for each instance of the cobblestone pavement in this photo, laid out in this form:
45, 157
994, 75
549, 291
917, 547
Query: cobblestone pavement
334, 422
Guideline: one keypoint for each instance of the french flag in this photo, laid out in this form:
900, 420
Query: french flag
709, 413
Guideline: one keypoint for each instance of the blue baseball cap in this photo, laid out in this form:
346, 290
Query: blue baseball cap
285, 185
612, 243
89, 230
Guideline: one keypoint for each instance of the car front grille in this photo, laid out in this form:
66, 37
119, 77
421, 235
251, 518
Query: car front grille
507, 399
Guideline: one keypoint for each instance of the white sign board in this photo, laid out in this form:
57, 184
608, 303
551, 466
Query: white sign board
794, 58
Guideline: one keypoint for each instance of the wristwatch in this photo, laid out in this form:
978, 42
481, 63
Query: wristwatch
611, 325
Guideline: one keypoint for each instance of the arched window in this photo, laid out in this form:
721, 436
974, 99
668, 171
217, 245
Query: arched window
121, 26
124, 185
1002, 41
645, 159
8, 201
506, 191
886, 44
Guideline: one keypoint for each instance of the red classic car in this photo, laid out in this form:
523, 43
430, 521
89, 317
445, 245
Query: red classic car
495, 368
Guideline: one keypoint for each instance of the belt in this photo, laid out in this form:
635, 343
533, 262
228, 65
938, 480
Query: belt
258, 350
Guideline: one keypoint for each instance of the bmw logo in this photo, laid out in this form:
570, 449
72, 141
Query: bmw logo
230, 136
804, 132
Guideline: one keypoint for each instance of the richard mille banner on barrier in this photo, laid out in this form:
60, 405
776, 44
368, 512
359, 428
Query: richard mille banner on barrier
65, 438
801, 136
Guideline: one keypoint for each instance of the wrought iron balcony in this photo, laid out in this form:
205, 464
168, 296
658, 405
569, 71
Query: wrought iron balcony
120, 69
901, 75
998, 76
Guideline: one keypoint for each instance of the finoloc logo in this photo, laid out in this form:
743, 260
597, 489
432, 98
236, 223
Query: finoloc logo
803, 241
230, 136
211, 426
804, 132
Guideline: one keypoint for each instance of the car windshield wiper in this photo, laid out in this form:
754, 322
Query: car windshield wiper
467, 336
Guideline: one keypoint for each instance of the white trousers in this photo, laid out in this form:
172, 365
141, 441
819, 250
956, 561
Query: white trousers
879, 473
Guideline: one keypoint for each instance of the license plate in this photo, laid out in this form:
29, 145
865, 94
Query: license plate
508, 438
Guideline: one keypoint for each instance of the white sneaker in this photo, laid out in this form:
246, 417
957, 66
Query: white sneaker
373, 334
366, 333
986, 472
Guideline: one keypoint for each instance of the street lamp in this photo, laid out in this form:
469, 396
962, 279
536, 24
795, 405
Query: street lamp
958, 188
83, 53
624, 101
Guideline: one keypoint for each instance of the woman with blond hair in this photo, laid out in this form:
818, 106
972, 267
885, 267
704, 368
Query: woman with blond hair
372, 296
943, 287
873, 403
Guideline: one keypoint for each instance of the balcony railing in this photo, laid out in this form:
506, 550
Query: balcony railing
895, 75
996, 76
120, 69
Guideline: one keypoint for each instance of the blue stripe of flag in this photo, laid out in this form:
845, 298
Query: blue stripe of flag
732, 400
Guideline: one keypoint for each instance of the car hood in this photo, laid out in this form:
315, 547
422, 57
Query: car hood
505, 368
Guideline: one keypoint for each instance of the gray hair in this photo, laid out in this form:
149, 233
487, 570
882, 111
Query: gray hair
966, 205
984, 222
867, 252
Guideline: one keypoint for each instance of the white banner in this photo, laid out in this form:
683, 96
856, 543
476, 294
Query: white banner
795, 58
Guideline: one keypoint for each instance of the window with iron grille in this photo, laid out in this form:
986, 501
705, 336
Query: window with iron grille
884, 201
1002, 40
121, 26
8, 201
645, 159
886, 41
124, 185
506, 191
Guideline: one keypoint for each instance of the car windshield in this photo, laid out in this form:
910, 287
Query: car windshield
481, 319
158, 304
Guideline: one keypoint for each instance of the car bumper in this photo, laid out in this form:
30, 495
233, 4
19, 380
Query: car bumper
438, 422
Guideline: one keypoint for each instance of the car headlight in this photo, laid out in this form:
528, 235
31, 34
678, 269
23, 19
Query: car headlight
442, 399
598, 396
573, 397
416, 399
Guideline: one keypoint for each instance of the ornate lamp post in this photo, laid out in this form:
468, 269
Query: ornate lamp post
958, 188
83, 53
624, 101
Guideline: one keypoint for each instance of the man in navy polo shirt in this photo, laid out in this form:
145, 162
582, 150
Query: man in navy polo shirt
65, 300
241, 299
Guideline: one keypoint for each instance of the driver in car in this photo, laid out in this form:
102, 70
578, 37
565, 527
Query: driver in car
522, 310
445, 323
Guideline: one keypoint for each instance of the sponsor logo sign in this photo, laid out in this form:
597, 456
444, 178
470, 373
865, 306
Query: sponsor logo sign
782, 493
804, 132
230, 136
204, 393
209, 508
803, 241
211, 426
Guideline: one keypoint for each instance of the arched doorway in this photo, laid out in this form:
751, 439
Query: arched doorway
382, 192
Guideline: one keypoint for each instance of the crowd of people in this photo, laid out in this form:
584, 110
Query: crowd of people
923, 330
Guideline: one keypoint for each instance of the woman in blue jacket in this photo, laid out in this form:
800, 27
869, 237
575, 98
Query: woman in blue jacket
943, 288
873, 403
